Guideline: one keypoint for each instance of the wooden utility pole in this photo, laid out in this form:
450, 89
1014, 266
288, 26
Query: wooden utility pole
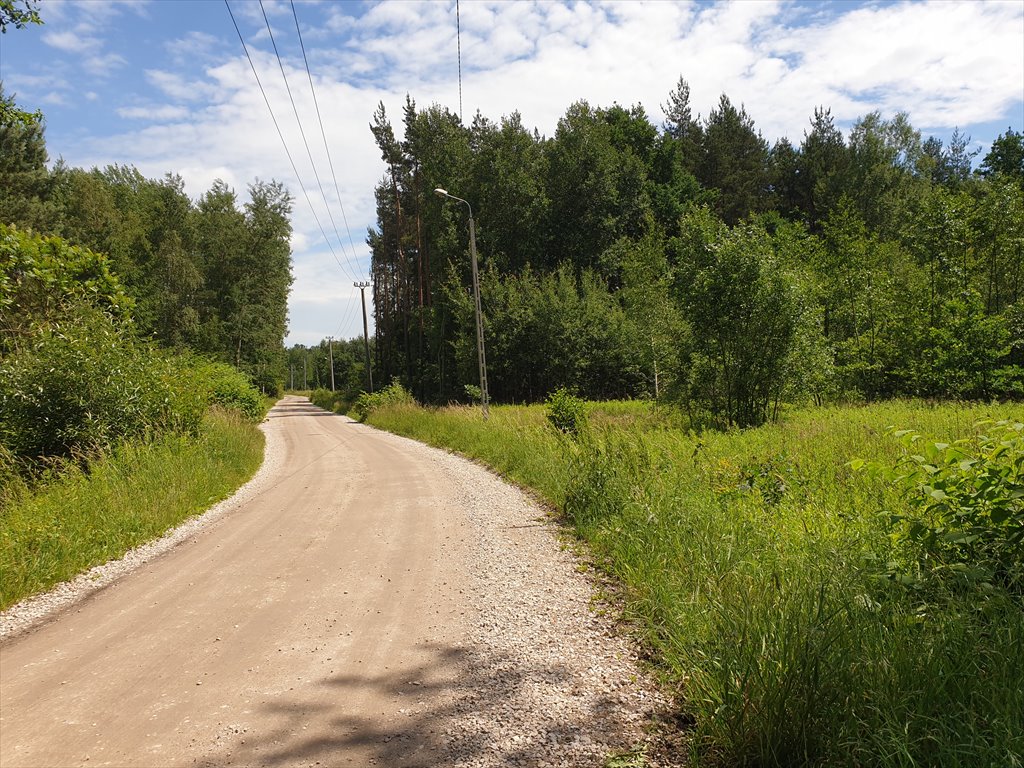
330, 347
362, 286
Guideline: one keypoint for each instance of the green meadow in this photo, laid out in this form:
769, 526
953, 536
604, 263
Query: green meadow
796, 584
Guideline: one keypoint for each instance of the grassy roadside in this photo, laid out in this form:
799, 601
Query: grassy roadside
756, 571
131, 496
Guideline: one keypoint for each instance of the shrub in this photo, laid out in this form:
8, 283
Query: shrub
324, 398
393, 394
82, 384
965, 518
566, 412
230, 388
40, 277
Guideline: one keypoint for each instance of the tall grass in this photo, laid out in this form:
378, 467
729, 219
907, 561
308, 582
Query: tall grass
754, 565
85, 517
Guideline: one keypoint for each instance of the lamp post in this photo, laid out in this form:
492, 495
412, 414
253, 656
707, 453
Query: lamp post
476, 295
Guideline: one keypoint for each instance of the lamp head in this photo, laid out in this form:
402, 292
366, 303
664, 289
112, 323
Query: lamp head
441, 192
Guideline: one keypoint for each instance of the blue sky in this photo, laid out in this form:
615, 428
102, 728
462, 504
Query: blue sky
165, 85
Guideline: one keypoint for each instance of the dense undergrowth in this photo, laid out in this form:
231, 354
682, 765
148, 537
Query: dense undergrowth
106, 439
779, 588
86, 516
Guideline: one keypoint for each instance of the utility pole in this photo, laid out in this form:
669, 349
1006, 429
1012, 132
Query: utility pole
362, 286
305, 358
330, 347
476, 293
291, 369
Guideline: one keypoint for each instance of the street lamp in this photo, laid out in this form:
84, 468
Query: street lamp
476, 294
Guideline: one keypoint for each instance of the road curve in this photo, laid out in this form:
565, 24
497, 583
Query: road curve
339, 617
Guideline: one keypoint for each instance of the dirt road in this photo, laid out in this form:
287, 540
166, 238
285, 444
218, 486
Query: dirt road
356, 611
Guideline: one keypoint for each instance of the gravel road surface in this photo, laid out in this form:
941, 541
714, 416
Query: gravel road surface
365, 600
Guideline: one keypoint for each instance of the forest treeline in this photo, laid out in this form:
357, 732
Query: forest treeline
621, 259
208, 276
126, 309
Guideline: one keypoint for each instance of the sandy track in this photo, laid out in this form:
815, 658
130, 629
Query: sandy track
374, 602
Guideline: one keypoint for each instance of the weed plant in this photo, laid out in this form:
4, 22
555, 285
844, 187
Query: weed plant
756, 567
87, 516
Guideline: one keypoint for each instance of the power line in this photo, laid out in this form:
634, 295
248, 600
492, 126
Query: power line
323, 133
302, 133
283, 142
348, 315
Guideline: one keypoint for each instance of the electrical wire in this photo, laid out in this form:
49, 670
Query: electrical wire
323, 134
302, 133
283, 142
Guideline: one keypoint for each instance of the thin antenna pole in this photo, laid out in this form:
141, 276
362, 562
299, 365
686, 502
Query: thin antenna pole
458, 38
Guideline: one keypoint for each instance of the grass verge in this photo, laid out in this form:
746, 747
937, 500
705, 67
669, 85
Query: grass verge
757, 570
135, 494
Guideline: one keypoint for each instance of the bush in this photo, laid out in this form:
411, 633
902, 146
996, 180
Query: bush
230, 388
965, 518
566, 412
42, 277
393, 394
324, 398
82, 384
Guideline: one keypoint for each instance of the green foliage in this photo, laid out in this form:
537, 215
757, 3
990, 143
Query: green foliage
550, 331
964, 519
26, 184
42, 277
53, 532
961, 350
230, 388
1006, 157
82, 384
566, 412
323, 398
881, 266
11, 13
734, 161
473, 392
338, 402
211, 277
394, 394
747, 310
750, 565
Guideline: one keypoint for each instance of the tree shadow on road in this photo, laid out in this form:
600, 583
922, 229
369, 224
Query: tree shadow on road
286, 410
461, 706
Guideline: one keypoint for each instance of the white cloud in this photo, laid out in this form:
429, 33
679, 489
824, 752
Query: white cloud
46, 80
154, 113
71, 42
53, 99
179, 87
194, 45
103, 64
84, 34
